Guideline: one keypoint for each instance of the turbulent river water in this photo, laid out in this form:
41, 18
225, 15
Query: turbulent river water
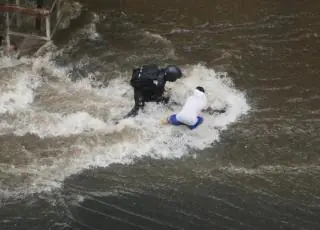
66, 164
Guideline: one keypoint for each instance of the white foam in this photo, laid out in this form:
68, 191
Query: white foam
179, 31
6, 62
46, 124
157, 37
19, 92
91, 29
130, 138
44, 65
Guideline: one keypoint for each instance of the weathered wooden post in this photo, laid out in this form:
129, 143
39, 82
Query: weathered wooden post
18, 14
8, 45
48, 29
38, 19
58, 9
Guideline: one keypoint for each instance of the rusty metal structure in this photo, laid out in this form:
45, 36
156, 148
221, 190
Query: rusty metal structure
38, 19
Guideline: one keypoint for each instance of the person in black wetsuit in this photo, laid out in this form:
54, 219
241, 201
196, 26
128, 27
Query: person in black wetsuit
148, 82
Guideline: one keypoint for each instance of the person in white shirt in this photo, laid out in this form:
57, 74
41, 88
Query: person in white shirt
190, 112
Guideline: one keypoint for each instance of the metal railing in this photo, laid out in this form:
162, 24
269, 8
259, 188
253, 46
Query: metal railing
37, 18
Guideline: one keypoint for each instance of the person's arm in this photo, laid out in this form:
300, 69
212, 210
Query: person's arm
211, 111
160, 82
159, 85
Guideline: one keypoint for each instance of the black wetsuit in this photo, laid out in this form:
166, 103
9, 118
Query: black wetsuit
148, 83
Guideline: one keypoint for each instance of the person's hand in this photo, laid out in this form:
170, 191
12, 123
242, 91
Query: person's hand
211, 111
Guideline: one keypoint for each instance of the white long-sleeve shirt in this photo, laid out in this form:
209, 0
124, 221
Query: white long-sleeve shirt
192, 108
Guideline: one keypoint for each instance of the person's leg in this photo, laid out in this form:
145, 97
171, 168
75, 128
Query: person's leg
199, 122
139, 98
173, 120
138, 103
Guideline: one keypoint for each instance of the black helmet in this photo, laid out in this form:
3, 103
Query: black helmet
200, 89
172, 73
